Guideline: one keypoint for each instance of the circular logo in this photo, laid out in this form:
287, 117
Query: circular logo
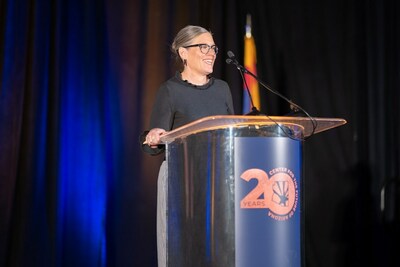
281, 194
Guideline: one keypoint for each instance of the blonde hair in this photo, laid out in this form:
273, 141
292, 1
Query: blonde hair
184, 38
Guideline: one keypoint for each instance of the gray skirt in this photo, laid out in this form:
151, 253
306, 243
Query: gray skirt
162, 186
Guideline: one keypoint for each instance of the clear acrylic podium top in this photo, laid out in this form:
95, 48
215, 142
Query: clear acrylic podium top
304, 124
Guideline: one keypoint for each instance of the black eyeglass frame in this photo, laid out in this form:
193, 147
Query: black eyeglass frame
209, 47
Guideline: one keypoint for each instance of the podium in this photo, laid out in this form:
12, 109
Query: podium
234, 195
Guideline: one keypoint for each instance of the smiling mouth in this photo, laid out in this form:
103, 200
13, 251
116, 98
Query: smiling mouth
208, 61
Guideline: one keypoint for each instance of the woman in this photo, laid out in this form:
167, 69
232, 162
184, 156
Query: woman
190, 95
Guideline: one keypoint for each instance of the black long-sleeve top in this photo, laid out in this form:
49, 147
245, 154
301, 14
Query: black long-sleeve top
179, 102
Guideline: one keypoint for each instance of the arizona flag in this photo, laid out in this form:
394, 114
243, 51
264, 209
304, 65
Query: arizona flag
250, 61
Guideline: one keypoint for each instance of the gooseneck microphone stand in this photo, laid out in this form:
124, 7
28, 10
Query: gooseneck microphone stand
293, 106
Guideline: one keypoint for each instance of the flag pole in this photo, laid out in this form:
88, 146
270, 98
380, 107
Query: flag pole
248, 26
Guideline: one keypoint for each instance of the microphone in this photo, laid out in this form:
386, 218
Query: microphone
242, 70
232, 59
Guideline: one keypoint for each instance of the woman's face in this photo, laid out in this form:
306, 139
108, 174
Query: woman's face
199, 63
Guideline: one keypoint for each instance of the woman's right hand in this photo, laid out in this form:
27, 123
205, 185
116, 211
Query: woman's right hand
153, 137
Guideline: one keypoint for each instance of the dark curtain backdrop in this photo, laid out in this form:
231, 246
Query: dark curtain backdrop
77, 83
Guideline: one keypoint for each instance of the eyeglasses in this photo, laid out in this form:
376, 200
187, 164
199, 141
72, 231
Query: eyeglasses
204, 48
